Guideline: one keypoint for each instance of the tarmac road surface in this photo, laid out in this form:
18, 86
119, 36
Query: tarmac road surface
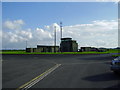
58, 71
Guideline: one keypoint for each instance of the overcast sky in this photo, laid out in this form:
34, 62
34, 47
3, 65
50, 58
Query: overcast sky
89, 23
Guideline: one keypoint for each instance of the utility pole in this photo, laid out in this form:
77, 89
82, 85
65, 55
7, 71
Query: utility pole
61, 29
55, 39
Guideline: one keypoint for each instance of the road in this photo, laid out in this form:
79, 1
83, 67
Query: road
72, 71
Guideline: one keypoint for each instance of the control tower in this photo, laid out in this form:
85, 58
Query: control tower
68, 45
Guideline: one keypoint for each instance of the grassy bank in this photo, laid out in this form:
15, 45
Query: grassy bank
24, 52
53, 53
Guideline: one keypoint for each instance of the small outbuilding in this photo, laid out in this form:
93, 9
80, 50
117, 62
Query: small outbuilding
43, 48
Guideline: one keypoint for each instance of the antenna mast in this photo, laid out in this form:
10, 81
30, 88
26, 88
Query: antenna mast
61, 29
55, 40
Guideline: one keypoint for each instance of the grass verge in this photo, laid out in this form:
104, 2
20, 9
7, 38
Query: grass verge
24, 52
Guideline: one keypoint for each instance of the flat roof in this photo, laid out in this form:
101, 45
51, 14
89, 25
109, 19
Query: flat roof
66, 38
46, 46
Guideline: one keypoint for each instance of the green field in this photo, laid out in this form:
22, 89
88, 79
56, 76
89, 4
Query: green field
23, 52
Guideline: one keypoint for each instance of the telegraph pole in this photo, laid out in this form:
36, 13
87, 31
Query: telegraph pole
55, 39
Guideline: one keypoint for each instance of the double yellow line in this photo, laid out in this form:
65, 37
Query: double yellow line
37, 79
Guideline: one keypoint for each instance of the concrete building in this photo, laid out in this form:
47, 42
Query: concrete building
83, 49
102, 49
68, 45
87, 49
43, 48
31, 49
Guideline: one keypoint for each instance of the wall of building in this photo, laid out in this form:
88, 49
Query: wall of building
68, 45
48, 48
85, 49
43, 49
92, 49
74, 46
29, 49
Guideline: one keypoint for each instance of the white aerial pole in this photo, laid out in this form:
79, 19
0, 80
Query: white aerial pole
55, 39
61, 29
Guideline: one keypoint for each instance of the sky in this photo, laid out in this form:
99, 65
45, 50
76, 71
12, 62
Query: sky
89, 23
60, 0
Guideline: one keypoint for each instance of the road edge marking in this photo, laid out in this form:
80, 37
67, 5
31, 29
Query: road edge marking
38, 78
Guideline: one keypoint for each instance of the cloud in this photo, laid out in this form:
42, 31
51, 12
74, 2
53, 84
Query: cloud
98, 33
16, 37
25, 34
14, 31
13, 25
94, 34
52, 27
41, 34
